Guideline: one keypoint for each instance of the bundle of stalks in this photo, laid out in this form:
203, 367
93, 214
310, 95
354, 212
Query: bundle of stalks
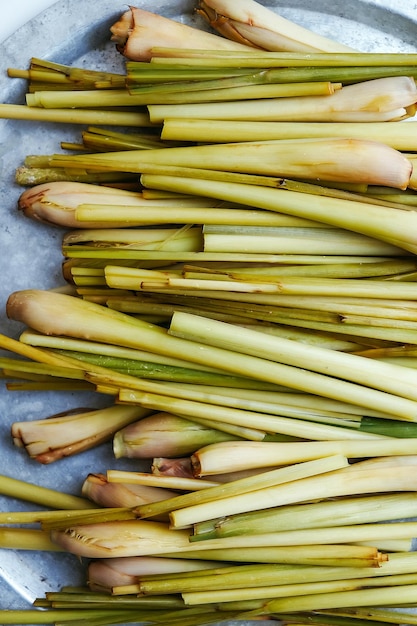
249, 311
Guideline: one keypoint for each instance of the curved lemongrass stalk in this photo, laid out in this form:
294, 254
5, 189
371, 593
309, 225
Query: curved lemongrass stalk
251, 23
164, 434
138, 31
56, 203
105, 574
97, 488
49, 440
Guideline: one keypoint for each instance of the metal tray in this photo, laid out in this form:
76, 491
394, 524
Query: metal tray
77, 32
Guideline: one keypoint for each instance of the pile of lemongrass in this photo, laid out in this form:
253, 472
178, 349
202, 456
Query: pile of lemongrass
248, 311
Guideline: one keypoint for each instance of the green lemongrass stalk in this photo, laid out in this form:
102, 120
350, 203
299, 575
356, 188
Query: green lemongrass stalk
171, 482
327, 513
361, 99
387, 596
242, 576
274, 348
337, 483
391, 428
40, 310
99, 490
49, 440
246, 485
359, 217
43, 496
105, 574
163, 434
137, 216
98, 99
295, 591
31, 176
56, 202
395, 134
373, 614
32, 370
236, 456
26, 539
138, 31
270, 423
325, 159
75, 116
95, 138
256, 25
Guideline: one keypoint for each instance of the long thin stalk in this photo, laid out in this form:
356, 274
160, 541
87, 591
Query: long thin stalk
245, 485
370, 220
14, 488
71, 116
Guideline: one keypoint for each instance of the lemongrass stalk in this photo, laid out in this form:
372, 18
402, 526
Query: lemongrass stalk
28, 368
48, 312
163, 434
235, 399
31, 176
366, 97
387, 596
56, 202
138, 31
234, 456
262, 27
185, 238
99, 99
137, 216
152, 480
373, 613
274, 348
131, 538
48, 440
254, 420
326, 159
104, 574
246, 485
293, 240
26, 539
262, 575
344, 511
312, 591
300, 491
43, 496
72, 116
358, 217
99, 490
395, 135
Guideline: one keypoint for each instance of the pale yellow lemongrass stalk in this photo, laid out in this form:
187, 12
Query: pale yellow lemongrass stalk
56, 203
346, 366
396, 134
251, 23
235, 456
98, 489
153, 480
60, 314
340, 482
251, 484
367, 101
104, 574
138, 31
380, 222
48, 440
341, 160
